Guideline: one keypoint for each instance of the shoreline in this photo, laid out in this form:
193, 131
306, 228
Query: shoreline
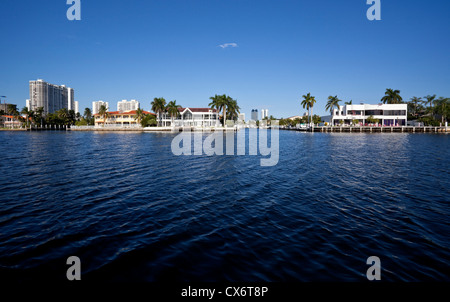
321, 129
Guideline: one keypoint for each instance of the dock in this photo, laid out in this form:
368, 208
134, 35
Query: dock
370, 129
153, 129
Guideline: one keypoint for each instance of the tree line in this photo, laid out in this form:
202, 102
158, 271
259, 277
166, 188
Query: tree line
37, 117
161, 107
430, 110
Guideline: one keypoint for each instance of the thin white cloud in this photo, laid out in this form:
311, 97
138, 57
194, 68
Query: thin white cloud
228, 45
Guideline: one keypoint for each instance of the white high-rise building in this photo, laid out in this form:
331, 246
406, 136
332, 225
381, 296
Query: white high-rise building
264, 113
28, 104
125, 105
50, 97
70, 99
77, 107
96, 106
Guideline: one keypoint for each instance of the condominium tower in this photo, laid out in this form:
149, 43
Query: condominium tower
264, 113
50, 97
124, 105
96, 106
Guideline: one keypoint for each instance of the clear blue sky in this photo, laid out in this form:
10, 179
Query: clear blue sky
124, 49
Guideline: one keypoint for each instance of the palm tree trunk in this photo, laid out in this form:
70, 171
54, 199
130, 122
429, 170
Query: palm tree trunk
309, 116
217, 116
224, 116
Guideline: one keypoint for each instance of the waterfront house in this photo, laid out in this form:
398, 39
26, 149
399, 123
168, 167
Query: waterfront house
119, 119
197, 117
9, 121
386, 114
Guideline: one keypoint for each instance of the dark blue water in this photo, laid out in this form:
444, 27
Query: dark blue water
132, 211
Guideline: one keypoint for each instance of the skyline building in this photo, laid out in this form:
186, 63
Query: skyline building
70, 100
51, 97
96, 106
254, 115
125, 105
264, 113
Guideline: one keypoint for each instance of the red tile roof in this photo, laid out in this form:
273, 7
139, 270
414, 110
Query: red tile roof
132, 112
10, 116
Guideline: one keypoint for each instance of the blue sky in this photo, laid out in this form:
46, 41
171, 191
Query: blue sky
170, 48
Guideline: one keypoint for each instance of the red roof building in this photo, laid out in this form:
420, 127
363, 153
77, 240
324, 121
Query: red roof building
118, 118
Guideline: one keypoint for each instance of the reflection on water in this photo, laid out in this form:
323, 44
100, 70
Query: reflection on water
133, 211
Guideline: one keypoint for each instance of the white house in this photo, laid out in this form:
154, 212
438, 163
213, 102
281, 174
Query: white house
386, 114
198, 117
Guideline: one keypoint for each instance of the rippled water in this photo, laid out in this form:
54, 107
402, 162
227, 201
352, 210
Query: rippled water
132, 211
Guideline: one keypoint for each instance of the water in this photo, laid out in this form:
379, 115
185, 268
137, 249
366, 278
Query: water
132, 211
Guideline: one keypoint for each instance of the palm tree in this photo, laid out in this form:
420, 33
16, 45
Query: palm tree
39, 116
392, 97
139, 115
333, 102
72, 117
172, 109
442, 107
233, 109
27, 114
413, 105
224, 103
11, 109
64, 115
429, 100
103, 112
349, 103
87, 114
308, 103
159, 106
215, 104
305, 101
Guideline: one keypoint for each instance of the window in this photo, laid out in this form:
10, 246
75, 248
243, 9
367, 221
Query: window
394, 112
373, 112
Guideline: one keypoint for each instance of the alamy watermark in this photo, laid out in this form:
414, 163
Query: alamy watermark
374, 12
74, 12
74, 271
235, 143
374, 271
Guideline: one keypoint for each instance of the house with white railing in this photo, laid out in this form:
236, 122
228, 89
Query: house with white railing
197, 117
384, 114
